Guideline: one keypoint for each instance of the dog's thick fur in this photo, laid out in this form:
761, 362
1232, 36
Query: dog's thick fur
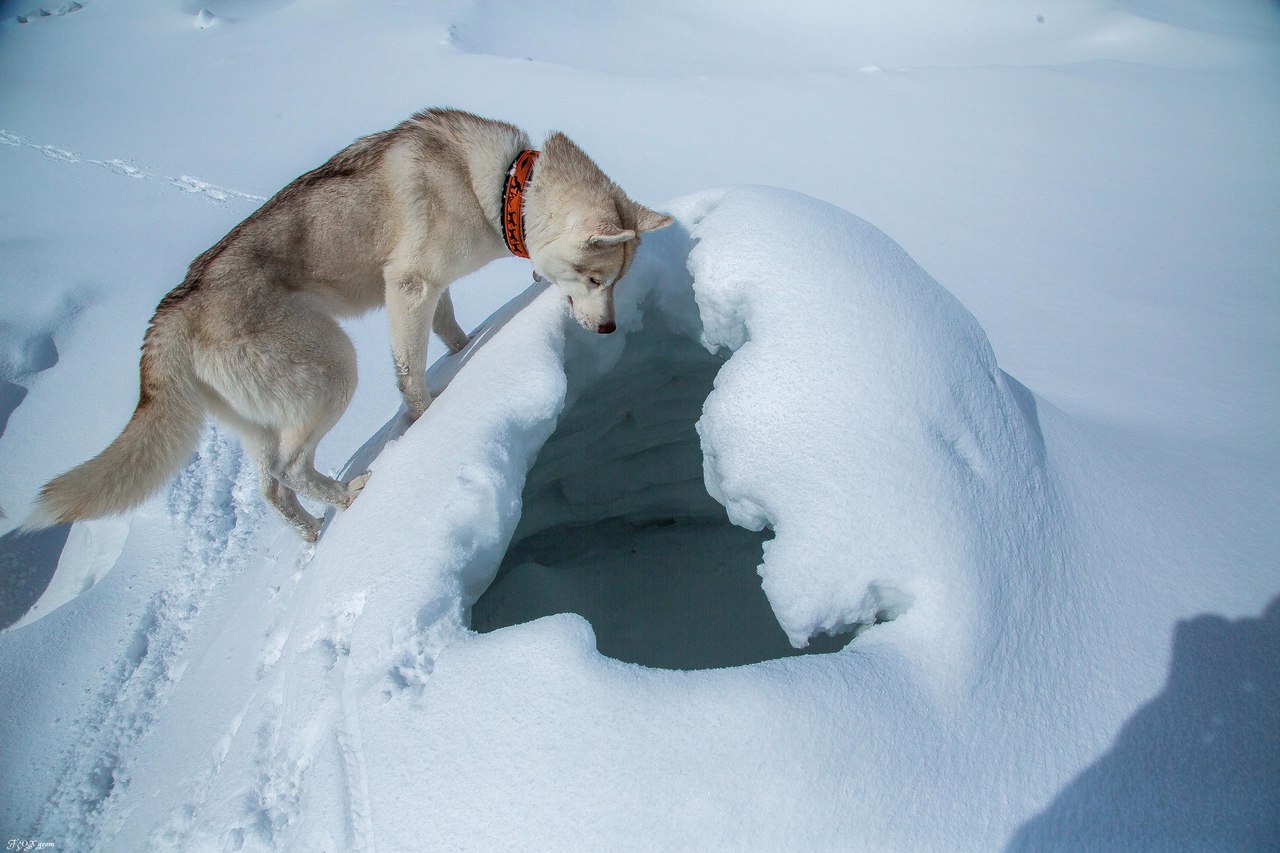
249, 336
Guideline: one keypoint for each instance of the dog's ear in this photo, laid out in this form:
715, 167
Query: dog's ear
650, 220
609, 235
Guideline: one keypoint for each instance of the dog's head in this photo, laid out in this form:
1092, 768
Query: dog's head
583, 231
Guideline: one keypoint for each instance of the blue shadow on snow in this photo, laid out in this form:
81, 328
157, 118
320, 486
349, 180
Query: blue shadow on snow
27, 564
1197, 767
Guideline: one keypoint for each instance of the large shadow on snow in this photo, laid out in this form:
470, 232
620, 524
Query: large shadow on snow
618, 527
1198, 767
27, 564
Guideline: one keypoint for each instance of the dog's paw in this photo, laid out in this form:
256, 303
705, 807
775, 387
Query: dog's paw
416, 407
354, 486
308, 528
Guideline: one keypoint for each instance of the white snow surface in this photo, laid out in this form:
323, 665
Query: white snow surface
1062, 596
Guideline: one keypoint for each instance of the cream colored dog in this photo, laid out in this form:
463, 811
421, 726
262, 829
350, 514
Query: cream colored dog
249, 336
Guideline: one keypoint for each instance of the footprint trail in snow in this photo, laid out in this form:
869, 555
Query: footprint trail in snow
214, 500
185, 183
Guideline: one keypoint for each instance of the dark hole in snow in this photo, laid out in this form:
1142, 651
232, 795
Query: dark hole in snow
618, 527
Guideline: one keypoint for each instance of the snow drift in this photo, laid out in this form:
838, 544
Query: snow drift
857, 421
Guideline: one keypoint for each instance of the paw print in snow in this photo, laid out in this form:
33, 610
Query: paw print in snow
36, 14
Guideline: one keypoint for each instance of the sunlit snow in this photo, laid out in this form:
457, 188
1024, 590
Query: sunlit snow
926, 501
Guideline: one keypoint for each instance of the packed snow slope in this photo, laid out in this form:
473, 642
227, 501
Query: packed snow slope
1035, 618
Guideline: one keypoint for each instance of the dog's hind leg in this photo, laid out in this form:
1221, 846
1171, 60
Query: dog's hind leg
278, 470
284, 382
294, 466
285, 500
292, 460
445, 325
261, 444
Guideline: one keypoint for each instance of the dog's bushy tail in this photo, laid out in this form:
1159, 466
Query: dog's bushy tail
158, 438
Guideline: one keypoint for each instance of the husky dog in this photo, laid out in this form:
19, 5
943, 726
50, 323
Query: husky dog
250, 337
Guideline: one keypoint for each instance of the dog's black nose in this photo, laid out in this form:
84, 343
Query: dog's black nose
607, 328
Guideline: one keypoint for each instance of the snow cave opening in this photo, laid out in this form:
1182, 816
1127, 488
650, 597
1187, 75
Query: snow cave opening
617, 526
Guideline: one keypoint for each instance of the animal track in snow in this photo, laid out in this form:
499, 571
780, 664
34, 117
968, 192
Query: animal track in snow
186, 183
215, 502
122, 167
36, 14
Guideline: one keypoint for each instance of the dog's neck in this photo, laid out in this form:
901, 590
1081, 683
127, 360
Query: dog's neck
519, 176
488, 174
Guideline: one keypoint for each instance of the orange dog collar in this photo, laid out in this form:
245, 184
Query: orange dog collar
513, 202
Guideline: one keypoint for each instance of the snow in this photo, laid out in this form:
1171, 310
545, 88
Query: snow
790, 561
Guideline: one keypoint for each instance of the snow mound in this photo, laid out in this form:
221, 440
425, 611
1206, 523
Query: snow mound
847, 358
862, 418
855, 412
856, 417
775, 354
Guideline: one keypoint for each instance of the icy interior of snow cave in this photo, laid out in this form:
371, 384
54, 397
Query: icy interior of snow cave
617, 525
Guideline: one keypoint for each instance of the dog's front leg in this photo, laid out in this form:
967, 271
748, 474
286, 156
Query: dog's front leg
446, 325
411, 304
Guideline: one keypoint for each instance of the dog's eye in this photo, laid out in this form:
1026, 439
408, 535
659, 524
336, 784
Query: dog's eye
595, 281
